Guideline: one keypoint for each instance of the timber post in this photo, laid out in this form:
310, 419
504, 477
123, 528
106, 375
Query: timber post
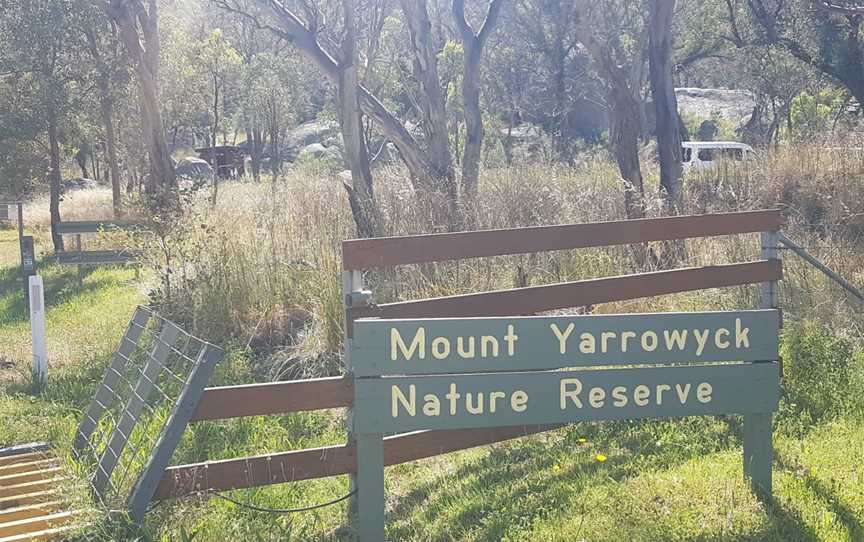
758, 445
367, 483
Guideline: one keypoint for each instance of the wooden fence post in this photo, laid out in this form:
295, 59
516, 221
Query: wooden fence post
758, 446
367, 505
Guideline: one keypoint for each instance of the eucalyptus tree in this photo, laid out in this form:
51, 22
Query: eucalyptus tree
823, 34
425, 151
473, 42
102, 43
615, 34
665, 102
38, 44
138, 26
221, 64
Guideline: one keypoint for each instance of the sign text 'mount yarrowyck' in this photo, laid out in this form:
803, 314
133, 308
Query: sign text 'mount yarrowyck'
466, 345
396, 404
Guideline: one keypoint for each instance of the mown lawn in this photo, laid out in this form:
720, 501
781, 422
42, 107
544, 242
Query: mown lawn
646, 481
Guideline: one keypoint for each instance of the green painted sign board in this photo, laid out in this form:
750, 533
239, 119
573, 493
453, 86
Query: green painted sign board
471, 345
390, 405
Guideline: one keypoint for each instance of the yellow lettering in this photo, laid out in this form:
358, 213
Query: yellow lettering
408, 403
432, 405
519, 401
573, 394
640, 395
460, 347
703, 392
419, 344
587, 344
719, 333
660, 389
485, 342
562, 337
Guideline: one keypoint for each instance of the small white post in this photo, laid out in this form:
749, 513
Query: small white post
37, 326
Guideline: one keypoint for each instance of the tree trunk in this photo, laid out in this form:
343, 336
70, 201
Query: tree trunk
55, 180
215, 109
665, 103
256, 136
624, 140
625, 114
473, 122
143, 48
442, 191
425, 163
107, 107
361, 195
472, 45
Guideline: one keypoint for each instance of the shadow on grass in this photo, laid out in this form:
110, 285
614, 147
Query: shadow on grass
518, 483
845, 515
784, 525
60, 287
509, 485
70, 388
506, 478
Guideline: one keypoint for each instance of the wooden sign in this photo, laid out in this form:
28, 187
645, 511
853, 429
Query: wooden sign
471, 345
467, 373
462, 347
388, 405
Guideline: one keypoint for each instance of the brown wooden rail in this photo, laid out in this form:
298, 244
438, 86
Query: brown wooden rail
326, 461
366, 253
534, 299
274, 398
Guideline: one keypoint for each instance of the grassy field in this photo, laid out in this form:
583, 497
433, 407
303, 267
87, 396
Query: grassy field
646, 481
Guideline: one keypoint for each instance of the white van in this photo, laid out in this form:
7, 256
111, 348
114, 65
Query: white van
700, 154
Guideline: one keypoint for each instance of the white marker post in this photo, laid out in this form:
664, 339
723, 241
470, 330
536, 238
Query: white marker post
37, 326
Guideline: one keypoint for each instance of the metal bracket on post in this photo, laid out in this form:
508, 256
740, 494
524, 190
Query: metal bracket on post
758, 445
358, 298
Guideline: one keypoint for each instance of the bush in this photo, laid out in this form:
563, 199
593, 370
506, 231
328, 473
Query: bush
819, 369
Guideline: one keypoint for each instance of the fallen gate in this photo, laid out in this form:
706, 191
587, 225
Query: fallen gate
367, 450
125, 439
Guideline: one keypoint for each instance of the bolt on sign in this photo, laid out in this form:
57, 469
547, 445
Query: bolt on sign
460, 373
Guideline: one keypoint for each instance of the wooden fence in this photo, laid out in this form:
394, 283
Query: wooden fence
358, 255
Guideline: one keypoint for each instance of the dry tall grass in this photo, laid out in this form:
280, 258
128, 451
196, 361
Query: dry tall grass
262, 266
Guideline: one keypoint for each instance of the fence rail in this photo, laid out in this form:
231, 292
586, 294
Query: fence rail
388, 251
534, 299
96, 226
326, 461
274, 398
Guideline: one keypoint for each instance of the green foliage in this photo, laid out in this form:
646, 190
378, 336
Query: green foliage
818, 368
812, 114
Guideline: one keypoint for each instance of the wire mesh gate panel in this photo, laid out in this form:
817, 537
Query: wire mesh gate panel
141, 408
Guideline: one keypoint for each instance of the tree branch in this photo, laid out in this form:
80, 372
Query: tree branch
844, 9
